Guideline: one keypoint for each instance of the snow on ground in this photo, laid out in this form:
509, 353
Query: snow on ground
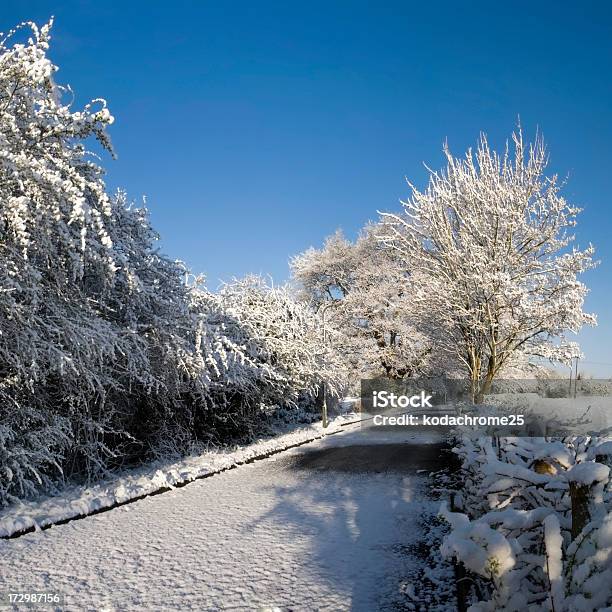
306, 529
75, 501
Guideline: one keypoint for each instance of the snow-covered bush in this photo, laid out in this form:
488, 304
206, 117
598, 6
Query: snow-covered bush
57, 265
281, 340
535, 523
107, 353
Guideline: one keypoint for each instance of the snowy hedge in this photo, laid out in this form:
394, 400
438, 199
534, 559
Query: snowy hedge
107, 353
535, 526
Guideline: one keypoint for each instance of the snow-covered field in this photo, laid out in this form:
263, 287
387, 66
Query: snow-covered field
581, 415
280, 532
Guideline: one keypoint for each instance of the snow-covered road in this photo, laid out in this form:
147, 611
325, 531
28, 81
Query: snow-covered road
327, 526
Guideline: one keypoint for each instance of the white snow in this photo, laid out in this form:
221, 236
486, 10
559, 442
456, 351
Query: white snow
80, 500
553, 542
267, 535
588, 473
530, 513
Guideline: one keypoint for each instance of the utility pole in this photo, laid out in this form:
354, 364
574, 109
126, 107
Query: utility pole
323, 384
576, 379
324, 410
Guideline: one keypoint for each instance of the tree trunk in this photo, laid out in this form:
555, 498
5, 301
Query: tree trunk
484, 387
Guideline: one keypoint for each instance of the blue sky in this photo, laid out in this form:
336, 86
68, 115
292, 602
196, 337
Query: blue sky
256, 129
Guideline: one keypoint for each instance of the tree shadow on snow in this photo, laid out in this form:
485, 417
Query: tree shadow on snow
357, 512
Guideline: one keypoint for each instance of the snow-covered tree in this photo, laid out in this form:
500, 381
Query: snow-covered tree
364, 292
91, 333
53, 227
490, 241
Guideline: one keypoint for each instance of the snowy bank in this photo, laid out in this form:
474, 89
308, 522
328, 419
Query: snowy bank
79, 501
534, 523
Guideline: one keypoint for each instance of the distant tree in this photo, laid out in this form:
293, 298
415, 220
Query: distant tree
489, 240
365, 294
